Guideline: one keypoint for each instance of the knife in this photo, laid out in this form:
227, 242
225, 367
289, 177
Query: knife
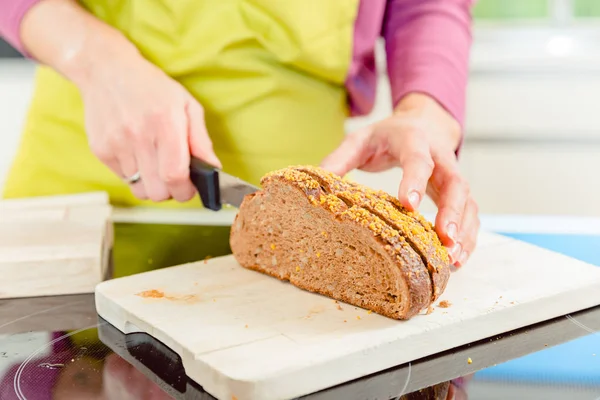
217, 187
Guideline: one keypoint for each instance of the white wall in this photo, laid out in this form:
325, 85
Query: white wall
533, 129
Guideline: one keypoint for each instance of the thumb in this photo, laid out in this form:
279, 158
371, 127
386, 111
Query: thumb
200, 144
352, 153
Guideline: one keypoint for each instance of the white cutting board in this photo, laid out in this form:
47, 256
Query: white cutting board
54, 245
244, 335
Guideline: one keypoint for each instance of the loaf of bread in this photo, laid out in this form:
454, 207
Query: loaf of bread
340, 239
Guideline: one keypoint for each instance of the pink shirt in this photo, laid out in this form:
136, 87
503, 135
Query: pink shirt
427, 49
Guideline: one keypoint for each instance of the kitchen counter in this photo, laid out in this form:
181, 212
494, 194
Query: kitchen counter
59, 344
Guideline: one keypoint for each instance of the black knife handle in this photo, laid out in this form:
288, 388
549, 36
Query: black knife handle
205, 178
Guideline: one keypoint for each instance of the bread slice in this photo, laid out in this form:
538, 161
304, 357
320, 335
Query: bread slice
341, 240
412, 226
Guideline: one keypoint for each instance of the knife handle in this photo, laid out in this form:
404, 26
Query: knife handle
205, 178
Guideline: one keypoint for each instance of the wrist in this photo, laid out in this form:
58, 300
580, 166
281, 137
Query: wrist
424, 106
94, 54
77, 45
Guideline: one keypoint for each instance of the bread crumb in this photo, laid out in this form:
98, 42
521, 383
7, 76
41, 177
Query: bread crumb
246, 326
469, 360
358, 317
233, 397
430, 310
153, 293
369, 312
214, 300
339, 307
444, 304
512, 302
545, 345
345, 321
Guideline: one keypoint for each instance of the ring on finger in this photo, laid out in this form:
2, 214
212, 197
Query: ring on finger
133, 178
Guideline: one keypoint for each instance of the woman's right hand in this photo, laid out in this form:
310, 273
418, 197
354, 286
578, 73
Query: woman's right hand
138, 119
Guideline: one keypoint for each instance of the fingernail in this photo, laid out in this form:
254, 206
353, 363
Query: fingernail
464, 256
452, 231
455, 252
413, 198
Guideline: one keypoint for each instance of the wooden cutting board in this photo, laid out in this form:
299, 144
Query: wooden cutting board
54, 245
243, 335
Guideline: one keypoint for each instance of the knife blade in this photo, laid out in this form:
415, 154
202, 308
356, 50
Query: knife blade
217, 187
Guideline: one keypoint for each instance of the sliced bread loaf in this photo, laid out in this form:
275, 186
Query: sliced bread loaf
341, 240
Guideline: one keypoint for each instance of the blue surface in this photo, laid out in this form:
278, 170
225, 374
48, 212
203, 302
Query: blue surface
575, 362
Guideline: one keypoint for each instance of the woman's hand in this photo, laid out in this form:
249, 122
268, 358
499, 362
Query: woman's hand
140, 120
421, 138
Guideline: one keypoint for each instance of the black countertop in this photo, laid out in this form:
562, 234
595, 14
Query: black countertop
58, 348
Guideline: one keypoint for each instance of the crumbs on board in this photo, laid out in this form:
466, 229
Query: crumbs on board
153, 293
444, 304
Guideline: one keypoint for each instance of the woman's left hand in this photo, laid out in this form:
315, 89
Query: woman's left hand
421, 137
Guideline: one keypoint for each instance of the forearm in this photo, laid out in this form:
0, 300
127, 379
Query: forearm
427, 45
75, 43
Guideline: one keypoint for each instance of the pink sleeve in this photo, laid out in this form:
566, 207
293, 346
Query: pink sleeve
10, 21
427, 46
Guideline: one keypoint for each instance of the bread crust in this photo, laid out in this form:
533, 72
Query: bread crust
327, 200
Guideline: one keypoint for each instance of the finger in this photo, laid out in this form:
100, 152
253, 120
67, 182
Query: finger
469, 229
451, 200
147, 162
121, 165
128, 167
107, 156
413, 154
173, 154
354, 151
200, 144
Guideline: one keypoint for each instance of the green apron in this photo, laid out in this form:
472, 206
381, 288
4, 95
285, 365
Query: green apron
269, 73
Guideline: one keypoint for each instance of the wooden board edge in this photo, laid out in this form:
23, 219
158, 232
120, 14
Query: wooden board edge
49, 293
55, 201
106, 256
